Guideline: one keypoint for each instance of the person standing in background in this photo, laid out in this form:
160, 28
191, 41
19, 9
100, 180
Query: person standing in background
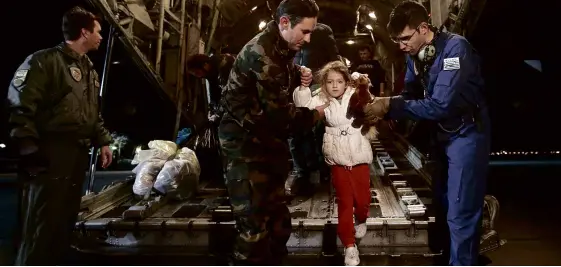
215, 69
368, 65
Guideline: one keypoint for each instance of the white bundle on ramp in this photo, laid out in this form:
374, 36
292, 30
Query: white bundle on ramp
150, 162
179, 178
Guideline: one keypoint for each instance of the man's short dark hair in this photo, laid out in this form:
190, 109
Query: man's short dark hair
407, 13
296, 10
76, 19
197, 62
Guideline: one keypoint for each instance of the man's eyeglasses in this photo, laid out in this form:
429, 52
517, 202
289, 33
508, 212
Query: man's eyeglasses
405, 39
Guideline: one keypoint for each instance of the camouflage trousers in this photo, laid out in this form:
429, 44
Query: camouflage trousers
256, 190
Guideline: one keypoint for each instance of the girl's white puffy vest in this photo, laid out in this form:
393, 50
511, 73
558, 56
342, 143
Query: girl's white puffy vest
342, 144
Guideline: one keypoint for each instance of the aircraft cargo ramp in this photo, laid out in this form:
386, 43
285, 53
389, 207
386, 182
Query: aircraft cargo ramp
113, 222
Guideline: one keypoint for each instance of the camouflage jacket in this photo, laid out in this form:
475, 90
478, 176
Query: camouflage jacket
55, 92
258, 95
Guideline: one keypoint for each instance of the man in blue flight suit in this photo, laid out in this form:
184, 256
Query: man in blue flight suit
446, 68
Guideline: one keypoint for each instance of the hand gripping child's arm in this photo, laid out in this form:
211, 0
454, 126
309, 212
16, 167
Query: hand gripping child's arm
303, 95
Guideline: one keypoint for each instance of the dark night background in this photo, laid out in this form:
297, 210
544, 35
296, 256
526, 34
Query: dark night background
523, 101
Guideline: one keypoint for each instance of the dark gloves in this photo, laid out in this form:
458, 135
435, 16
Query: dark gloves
27, 146
260, 131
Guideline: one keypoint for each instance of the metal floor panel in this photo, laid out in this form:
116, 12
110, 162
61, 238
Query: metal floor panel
398, 223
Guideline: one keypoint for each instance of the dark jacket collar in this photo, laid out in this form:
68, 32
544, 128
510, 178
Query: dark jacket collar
280, 44
441, 40
65, 49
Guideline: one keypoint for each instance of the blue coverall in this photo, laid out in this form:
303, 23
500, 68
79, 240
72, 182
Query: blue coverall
454, 99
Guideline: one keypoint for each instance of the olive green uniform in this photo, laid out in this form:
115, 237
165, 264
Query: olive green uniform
54, 99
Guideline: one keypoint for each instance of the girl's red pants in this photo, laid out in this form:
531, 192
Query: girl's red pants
352, 186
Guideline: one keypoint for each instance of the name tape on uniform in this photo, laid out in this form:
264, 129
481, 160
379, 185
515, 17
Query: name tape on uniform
452, 63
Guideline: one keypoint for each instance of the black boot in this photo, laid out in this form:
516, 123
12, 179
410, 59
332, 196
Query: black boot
441, 260
484, 260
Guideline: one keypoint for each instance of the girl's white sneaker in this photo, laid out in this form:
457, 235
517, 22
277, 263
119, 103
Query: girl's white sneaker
360, 230
351, 256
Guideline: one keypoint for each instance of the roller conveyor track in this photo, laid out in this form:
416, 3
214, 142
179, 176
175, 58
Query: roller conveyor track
400, 214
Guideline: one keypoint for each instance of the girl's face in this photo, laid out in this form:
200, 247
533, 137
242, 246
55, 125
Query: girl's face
335, 85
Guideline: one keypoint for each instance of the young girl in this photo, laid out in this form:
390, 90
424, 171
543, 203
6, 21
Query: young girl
346, 150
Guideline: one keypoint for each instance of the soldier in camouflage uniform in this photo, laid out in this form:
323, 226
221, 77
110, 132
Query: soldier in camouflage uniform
255, 127
55, 118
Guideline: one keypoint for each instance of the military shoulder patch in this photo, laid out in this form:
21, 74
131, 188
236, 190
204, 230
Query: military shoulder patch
19, 77
76, 73
452, 63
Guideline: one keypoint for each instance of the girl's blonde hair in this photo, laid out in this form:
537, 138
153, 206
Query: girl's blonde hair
321, 75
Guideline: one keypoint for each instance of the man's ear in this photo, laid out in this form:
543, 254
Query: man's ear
284, 22
84, 33
424, 29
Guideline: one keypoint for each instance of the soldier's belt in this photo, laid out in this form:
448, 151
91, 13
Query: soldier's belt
67, 137
455, 124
